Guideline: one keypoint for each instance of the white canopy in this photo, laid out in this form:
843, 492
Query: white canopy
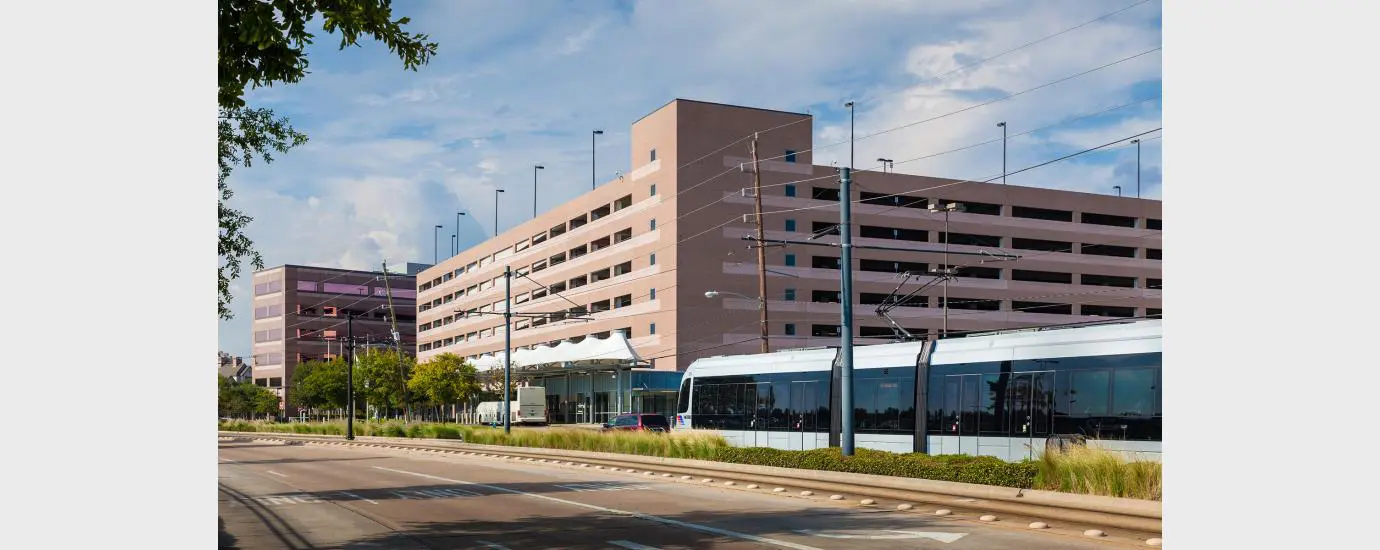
614, 350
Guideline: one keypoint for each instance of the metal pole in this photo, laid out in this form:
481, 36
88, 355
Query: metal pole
850, 135
496, 192
453, 242
435, 245
846, 291
1003, 152
534, 189
507, 347
350, 378
761, 246
593, 177
1138, 169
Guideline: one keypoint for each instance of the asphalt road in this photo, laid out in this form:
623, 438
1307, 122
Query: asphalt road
310, 496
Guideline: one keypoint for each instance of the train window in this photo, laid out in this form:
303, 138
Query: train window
684, 400
993, 412
1087, 393
1133, 393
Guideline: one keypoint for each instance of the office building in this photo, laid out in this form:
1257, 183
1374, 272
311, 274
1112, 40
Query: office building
301, 314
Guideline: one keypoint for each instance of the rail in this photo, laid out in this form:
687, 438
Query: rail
1138, 517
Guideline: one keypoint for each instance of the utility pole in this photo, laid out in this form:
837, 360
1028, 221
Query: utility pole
397, 343
761, 248
1003, 151
350, 378
507, 347
846, 295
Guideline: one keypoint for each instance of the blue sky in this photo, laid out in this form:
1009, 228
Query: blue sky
516, 83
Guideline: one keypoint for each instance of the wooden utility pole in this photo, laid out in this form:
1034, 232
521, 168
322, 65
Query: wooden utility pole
761, 243
397, 342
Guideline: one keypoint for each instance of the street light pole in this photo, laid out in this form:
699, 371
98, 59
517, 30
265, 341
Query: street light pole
350, 377
1003, 151
507, 346
496, 192
593, 157
436, 245
846, 295
534, 189
457, 231
1137, 142
453, 242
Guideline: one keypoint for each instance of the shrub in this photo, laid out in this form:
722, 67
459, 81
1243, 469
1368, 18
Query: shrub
983, 470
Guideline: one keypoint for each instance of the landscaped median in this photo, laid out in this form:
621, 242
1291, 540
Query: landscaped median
1081, 471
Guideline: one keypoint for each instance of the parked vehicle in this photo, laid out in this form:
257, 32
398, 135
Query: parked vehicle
528, 408
638, 422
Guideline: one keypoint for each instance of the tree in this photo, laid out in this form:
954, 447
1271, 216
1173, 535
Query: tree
379, 379
242, 399
445, 380
319, 385
263, 42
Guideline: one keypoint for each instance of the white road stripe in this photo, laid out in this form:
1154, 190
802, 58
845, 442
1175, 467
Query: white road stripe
275, 473
226, 460
348, 494
493, 545
664, 521
631, 545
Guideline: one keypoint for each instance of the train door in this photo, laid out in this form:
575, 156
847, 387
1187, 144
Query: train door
757, 412
1030, 398
961, 413
803, 409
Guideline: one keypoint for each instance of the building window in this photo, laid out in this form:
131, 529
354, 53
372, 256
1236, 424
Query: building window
653, 156
790, 155
790, 190
651, 328
790, 260
651, 224
652, 294
1154, 254
652, 193
789, 295
653, 258
790, 329
790, 224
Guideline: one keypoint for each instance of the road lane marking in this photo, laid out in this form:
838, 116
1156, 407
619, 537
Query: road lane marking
226, 460
602, 486
493, 545
648, 517
275, 473
895, 535
348, 494
631, 545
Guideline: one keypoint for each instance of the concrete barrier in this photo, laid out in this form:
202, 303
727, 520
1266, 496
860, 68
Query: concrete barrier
1143, 516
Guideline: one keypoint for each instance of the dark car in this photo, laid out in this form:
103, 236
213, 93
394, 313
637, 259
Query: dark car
643, 422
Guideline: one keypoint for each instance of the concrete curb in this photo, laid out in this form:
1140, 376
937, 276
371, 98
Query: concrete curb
1123, 513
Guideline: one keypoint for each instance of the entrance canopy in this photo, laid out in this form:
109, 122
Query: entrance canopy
590, 353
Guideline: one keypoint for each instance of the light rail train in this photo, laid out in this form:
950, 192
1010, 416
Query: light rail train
1003, 394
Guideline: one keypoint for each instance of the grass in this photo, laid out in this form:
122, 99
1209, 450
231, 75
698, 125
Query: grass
1092, 471
1082, 470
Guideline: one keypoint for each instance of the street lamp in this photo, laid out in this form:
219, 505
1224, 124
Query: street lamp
849, 105
436, 245
453, 242
457, 232
1137, 142
886, 163
534, 189
1118, 190
947, 272
1002, 125
496, 192
593, 177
